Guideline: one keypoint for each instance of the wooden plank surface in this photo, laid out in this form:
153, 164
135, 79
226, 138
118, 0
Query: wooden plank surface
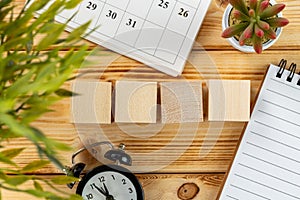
197, 153
156, 186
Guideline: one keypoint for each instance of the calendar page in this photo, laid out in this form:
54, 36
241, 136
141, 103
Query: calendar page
158, 33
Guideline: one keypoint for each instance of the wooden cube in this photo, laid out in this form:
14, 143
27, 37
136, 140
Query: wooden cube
181, 102
135, 102
229, 100
93, 103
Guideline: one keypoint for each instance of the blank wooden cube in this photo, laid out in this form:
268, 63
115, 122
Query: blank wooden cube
229, 100
135, 102
93, 103
181, 102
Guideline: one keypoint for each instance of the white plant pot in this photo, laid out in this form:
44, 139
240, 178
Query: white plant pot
235, 43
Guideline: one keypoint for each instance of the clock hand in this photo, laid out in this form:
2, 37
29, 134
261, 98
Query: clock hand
106, 190
108, 197
101, 190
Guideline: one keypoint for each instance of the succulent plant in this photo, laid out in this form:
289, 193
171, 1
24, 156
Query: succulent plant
255, 20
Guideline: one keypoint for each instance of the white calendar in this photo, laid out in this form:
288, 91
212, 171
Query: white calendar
158, 33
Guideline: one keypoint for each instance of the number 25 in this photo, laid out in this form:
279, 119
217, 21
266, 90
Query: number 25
164, 4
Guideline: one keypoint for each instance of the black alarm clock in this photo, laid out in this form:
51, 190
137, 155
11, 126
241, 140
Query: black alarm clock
107, 182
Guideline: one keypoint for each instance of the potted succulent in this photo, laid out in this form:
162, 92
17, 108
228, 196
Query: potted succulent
253, 25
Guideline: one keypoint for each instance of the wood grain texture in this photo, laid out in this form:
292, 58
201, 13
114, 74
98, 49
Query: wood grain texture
156, 186
229, 100
201, 157
135, 102
92, 102
215, 141
181, 102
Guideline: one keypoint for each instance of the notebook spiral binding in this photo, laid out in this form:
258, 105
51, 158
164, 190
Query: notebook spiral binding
292, 69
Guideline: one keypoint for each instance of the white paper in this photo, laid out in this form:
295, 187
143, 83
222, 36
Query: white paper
267, 163
126, 26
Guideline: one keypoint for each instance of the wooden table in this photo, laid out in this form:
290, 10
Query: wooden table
202, 156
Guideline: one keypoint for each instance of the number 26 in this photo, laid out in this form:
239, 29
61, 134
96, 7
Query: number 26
184, 13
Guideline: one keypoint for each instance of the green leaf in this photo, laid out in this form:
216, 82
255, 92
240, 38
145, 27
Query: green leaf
17, 180
6, 160
4, 12
239, 5
11, 153
72, 4
45, 71
39, 193
20, 86
235, 29
78, 32
35, 165
58, 145
15, 43
4, 3
38, 186
64, 93
29, 43
33, 113
257, 44
272, 10
62, 180
36, 5
50, 156
51, 37
6, 105
3, 176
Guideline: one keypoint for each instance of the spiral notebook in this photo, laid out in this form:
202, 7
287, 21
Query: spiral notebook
267, 162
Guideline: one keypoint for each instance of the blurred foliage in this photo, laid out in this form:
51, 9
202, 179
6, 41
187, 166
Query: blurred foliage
32, 72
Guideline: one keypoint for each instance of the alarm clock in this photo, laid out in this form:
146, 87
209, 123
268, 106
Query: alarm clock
107, 182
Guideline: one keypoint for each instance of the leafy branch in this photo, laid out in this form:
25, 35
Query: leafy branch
32, 72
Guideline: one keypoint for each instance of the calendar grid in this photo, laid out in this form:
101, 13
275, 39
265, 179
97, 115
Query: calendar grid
173, 31
104, 1
123, 16
188, 29
144, 22
165, 27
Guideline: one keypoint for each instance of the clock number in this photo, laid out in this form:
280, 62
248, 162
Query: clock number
184, 13
131, 23
101, 179
91, 6
112, 14
124, 181
113, 177
130, 190
90, 196
164, 4
92, 185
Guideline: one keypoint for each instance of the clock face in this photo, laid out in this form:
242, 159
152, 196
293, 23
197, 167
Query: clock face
110, 183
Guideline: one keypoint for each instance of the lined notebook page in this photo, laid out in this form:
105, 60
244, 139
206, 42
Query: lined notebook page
267, 163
